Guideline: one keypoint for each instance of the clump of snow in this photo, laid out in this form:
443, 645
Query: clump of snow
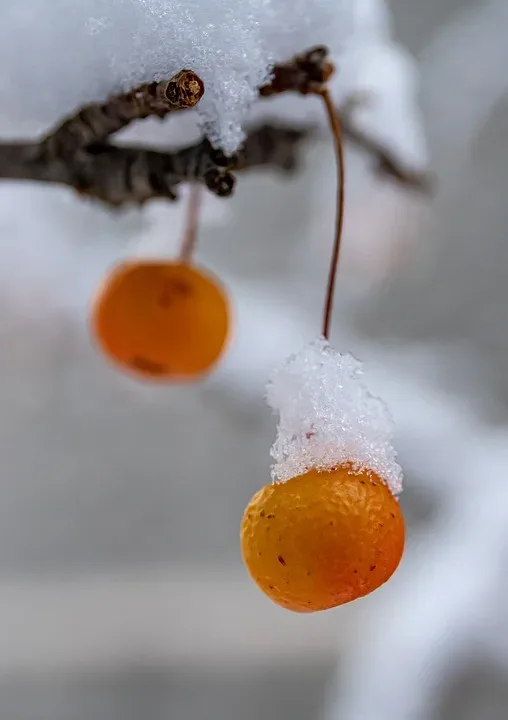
56, 56
328, 417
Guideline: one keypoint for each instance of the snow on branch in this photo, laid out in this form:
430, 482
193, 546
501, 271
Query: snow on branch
82, 52
77, 153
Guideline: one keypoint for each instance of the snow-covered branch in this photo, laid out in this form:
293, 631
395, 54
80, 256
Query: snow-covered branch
77, 153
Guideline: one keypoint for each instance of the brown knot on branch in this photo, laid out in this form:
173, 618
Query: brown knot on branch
96, 122
184, 90
304, 74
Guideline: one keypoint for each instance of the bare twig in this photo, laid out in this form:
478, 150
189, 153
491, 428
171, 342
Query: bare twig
122, 175
95, 123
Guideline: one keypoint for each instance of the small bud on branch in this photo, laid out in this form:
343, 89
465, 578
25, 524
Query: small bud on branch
304, 74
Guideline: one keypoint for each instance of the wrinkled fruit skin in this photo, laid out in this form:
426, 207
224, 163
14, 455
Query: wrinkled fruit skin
322, 539
161, 320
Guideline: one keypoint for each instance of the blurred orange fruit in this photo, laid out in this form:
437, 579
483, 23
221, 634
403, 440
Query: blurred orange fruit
161, 320
322, 539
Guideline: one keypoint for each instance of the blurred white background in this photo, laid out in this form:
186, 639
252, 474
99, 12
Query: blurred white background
122, 593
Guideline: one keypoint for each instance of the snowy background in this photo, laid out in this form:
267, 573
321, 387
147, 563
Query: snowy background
122, 594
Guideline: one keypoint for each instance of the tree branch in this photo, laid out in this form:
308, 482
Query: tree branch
121, 175
77, 152
95, 123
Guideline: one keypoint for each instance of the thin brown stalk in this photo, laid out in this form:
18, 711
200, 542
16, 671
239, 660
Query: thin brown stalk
335, 126
190, 235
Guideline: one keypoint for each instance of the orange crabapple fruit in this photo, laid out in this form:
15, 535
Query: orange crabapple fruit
323, 538
161, 320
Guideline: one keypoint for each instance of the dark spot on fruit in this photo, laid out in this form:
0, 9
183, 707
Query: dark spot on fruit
270, 516
281, 560
362, 482
355, 572
373, 567
181, 288
172, 288
165, 299
331, 522
259, 554
373, 484
270, 587
262, 513
393, 515
308, 574
146, 365
381, 524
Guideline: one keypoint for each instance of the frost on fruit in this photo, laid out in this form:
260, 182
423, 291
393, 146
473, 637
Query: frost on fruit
327, 417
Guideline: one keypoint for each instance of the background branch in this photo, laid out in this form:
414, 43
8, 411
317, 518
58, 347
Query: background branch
385, 162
